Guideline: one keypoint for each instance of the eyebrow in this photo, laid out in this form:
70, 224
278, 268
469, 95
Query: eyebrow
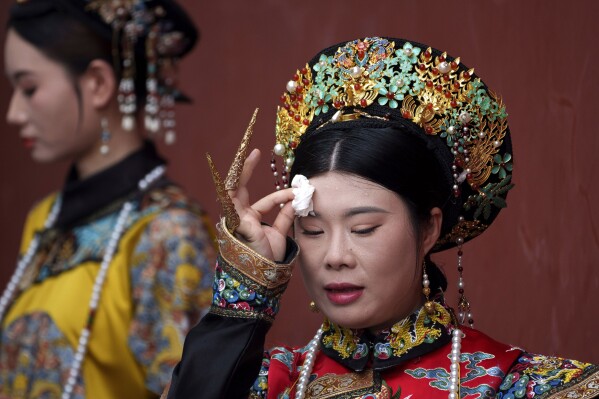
19, 75
358, 211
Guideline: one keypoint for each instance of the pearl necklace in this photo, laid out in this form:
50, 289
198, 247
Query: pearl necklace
454, 368
119, 228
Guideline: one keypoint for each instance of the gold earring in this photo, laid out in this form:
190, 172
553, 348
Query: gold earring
313, 307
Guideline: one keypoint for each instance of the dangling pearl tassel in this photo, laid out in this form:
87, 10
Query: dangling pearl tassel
454, 369
304, 377
99, 282
8, 293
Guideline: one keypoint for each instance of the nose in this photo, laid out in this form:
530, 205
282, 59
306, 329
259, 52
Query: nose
16, 114
339, 253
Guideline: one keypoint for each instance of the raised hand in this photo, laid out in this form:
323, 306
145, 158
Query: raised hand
268, 241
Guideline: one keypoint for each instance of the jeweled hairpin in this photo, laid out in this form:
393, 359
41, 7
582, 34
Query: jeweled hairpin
132, 20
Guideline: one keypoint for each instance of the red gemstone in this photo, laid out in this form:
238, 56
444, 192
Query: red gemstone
439, 88
286, 106
295, 104
461, 290
291, 113
273, 168
429, 83
470, 321
357, 86
390, 95
428, 130
441, 58
457, 193
305, 82
422, 67
456, 85
300, 97
320, 102
297, 118
304, 71
361, 54
299, 90
293, 144
427, 54
454, 65
474, 187
469, 176
406, 114
447, 94
293, 97
295, 77
283, 99
460, 253
435, 71
466, 75
429, 106
363, 103
454, 103
306, 122
446, 78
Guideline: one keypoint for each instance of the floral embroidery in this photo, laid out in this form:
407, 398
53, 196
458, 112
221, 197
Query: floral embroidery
172, 283
235, 297
36, 357
537, 376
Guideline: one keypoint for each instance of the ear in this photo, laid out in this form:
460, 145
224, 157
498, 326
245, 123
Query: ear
100, 83
432, 230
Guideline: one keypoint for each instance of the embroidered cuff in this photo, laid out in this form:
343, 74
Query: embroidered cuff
247, 284
267, 274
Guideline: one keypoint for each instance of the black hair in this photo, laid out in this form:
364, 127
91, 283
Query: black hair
74, 44
391, 155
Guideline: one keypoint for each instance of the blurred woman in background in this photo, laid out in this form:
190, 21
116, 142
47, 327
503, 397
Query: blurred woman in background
115, 267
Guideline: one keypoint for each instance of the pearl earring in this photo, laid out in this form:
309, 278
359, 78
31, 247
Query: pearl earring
313, 307
106, 135
429, 306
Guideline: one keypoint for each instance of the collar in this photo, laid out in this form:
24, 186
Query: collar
84, 198
414, 336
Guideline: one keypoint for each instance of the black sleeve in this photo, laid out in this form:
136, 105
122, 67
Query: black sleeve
221, 359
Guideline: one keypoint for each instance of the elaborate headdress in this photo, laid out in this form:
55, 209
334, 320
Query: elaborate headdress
386, 80
148, 36
383, 82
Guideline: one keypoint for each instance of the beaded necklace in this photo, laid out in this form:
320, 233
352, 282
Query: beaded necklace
22, 265
454, 369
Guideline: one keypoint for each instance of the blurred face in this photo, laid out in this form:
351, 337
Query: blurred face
358, 253
44, 104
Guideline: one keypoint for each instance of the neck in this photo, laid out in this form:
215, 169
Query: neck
121, 145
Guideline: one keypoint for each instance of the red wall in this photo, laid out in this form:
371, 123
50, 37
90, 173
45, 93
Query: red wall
533, 276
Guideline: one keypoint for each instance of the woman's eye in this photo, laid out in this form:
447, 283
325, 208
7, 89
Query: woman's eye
311, 232
366, 231
29, 92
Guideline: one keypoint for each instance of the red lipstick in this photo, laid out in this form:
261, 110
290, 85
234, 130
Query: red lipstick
343, 293
28, 142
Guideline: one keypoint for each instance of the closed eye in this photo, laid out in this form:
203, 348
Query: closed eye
366, 231
311, 232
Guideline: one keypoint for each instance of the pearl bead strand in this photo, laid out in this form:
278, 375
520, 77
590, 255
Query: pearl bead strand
9, 292
119, 228
304, 377
454, 368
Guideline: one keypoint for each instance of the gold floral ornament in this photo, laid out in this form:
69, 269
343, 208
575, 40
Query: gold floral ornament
391, 79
